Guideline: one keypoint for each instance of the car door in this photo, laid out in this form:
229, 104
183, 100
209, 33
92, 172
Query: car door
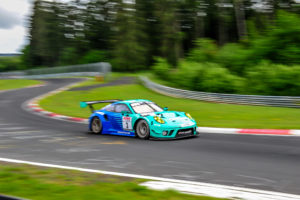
119, 122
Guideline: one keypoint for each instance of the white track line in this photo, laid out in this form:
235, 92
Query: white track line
192, 187
219, 192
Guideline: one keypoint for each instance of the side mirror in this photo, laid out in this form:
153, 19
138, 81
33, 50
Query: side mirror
125, 113
166, 108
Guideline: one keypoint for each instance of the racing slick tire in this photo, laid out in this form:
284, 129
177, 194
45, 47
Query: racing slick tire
96, 126
142, 129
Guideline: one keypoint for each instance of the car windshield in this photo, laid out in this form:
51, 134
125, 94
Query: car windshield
145, 107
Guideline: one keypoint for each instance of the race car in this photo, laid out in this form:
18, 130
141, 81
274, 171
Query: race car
141, 118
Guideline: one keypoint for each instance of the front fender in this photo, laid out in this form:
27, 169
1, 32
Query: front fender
144, 118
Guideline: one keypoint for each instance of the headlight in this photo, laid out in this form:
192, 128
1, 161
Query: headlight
159, 119
189, 116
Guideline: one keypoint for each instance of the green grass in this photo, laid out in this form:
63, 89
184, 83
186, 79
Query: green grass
16, 83
206, 114
33, 182
110, 77
90, 81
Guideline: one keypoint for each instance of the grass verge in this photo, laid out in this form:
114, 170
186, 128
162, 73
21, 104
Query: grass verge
111, 77
9, 84
206, 114
33, 182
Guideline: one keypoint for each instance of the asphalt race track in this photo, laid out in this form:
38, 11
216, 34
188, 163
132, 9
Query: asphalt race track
260, 162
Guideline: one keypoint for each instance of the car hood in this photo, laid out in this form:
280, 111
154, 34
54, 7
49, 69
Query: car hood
174, 118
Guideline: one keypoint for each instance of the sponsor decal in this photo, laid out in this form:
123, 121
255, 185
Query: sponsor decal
127, 123
123, 132
177, 118
187, 124
185, 132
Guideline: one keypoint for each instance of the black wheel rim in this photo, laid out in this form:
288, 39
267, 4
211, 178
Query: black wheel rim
143, 130
96, 125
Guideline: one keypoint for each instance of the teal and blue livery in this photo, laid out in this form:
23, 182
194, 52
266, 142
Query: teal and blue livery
141, 118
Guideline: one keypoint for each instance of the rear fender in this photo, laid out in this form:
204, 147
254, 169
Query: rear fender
100, 115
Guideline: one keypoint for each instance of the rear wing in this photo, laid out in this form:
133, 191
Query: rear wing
84, 104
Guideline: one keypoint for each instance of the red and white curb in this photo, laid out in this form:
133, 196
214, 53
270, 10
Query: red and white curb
189, 187
33, 106
271, 132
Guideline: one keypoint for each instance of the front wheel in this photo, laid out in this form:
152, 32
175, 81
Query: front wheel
142, 129
96, 125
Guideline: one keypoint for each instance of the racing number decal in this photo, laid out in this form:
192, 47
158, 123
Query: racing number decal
126, 122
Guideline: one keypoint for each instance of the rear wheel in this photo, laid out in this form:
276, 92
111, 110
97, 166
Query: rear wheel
142, 129
96, 125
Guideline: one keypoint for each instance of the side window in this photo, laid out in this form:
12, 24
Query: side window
109, 108
121, 107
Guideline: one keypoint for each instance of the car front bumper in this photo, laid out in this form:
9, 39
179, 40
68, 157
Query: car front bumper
159, 132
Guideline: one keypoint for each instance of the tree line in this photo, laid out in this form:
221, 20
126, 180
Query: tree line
132, 33
266, 64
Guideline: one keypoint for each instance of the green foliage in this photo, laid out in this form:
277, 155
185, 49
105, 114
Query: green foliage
47, 33
69, 56
234, 57
94, 56
273, 79
238, 67
10, 63
207, 77
281, 43
185, 75
169, 30
129, 52
205, 51
214, 78
264, 78
161, 68
134, 34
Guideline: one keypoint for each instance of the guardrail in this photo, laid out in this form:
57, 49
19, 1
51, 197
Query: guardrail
14, 74
92, 69
279, 101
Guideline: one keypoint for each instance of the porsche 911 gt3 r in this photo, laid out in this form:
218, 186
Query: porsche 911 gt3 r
141, 118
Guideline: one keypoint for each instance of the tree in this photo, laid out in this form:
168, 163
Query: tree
148, 25
281, 42
46, 34
240, 19
170, 34
36, 26
129, 53
97, 24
